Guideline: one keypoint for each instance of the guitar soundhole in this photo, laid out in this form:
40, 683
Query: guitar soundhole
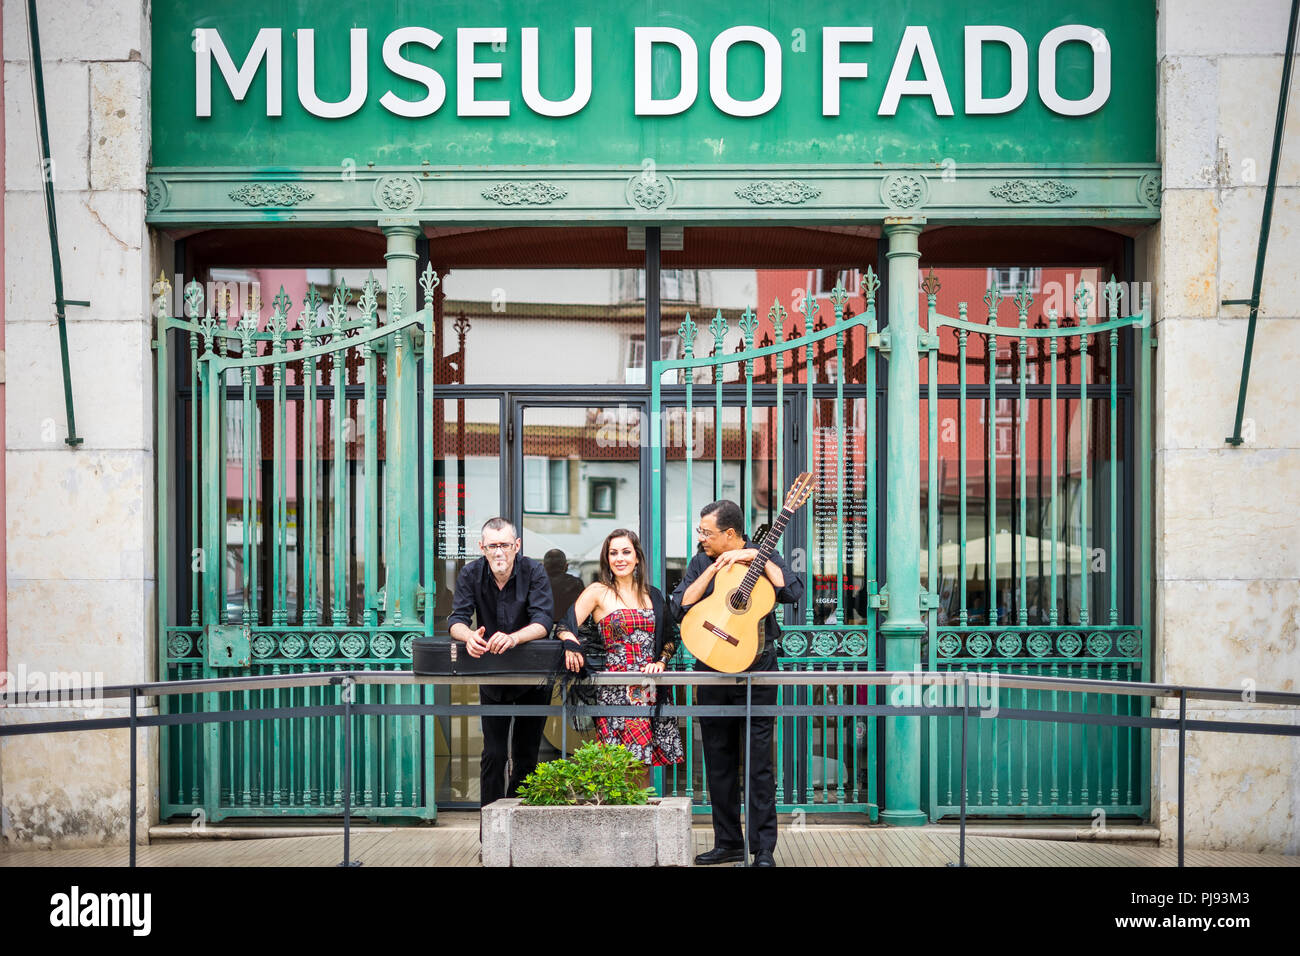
737, 601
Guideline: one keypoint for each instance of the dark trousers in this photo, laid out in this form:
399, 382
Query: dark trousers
500, 746
724, 753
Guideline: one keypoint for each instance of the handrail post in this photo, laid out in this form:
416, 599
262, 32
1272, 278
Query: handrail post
131, 854
965, 715
749, 776
348, 685
1182, 765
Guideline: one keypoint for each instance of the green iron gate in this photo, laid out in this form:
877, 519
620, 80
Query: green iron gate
1074, 403
822, 763
288, 545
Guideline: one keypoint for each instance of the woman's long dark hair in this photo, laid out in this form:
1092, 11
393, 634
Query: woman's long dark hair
638, 573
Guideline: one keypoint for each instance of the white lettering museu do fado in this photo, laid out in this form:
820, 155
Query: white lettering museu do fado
75, 909
846, 56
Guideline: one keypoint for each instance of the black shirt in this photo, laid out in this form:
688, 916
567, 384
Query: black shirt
789, 593
526, 598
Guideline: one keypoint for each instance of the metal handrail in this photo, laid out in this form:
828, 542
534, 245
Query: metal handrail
918, 679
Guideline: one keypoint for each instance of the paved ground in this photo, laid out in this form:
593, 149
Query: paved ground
456, 844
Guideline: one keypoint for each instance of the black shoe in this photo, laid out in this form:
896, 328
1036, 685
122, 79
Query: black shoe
764, 858
720, 854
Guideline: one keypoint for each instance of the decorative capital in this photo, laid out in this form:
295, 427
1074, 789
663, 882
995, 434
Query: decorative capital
1110, 293
838, 297
993, 298
247, 328
338, 310
1023, 300
687, 332
777, 314
930, 286
719, 327
280, 306
1082, 298
429, 281
809, 307
396, 302
309, 317
748, 323
870, 285
162, 290
194, 300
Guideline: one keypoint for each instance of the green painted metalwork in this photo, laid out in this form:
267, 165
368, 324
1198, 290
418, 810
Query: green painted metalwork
903, 627
299, 377
606, 127
824, 764
1038, 770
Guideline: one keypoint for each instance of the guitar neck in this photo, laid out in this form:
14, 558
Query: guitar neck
764, 552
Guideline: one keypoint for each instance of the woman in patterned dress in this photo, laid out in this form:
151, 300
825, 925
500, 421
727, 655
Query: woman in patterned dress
640, 637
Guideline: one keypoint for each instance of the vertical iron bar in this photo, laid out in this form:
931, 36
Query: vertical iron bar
1182, 768
991, 506
965, 719
134, 692
1053, 611
348, 684
810, 307
962, 618
1082, 297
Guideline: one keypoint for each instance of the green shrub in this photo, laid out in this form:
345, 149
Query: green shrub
597, 773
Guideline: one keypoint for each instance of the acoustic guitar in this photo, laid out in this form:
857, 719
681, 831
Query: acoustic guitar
725, 628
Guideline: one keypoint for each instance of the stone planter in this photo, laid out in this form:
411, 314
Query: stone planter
657, 834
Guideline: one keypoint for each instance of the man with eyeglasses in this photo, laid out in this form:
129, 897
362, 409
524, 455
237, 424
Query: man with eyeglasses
723, 542
511, 597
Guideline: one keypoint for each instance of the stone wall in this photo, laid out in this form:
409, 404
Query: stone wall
1227, 519
80, 532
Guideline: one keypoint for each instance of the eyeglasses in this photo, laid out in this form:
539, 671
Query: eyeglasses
706, 534
502, 546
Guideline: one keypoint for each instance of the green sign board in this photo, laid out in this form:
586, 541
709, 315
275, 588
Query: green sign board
588, 82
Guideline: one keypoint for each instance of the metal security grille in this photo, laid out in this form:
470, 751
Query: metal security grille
290, 529
822, 763
1052, 439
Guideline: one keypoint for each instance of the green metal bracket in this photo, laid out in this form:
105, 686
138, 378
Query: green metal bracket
381, 599
1265, 225
884, 342
420, 602
229, 645
925, 341
880, 601
929, 602
52, 222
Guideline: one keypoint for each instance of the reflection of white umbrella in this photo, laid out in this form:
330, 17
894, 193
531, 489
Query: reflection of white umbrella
1069, 558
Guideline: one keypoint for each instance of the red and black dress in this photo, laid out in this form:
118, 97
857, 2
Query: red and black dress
629, 645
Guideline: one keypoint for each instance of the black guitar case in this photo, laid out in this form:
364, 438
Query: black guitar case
447, 658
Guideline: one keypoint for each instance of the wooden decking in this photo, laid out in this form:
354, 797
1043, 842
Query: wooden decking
810, 846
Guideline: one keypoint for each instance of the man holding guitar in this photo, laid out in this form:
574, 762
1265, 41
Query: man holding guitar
722, 544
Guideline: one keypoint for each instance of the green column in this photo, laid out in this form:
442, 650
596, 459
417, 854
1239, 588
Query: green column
903, 626
401, 485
